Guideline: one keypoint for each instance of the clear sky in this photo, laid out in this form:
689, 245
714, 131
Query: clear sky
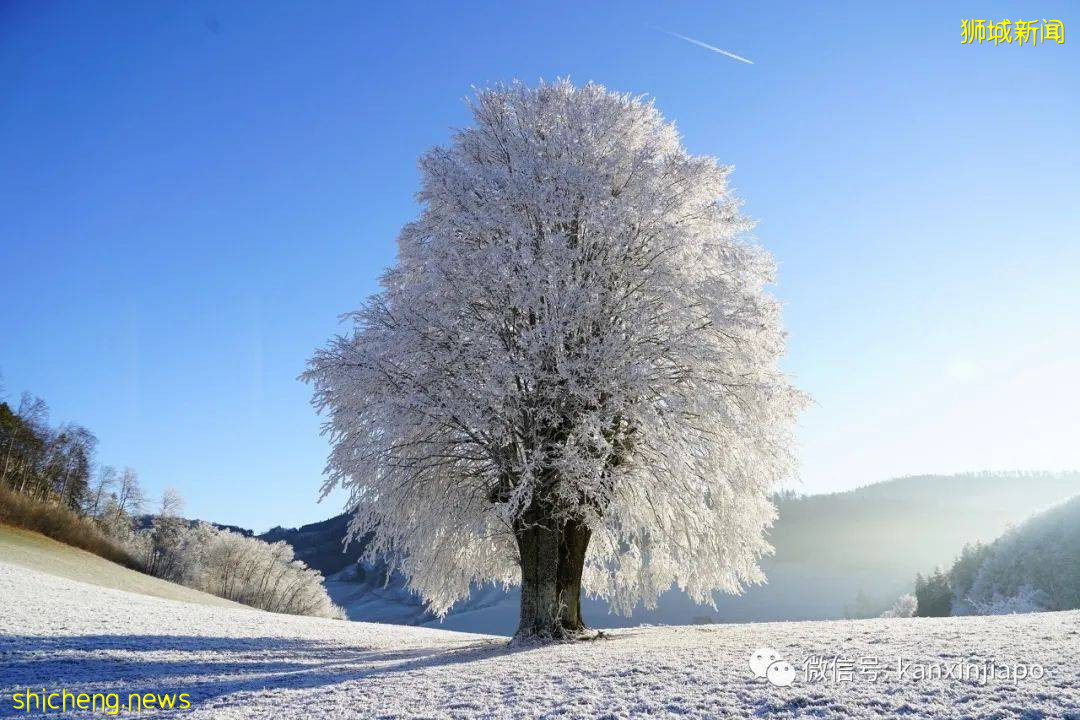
191, 192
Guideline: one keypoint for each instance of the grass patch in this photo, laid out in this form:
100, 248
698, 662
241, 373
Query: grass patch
60, 523
28, 549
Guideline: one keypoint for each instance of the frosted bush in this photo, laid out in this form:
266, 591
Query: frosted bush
904, 607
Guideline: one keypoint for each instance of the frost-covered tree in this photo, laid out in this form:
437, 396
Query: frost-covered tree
166, 552
569, 378
172, 503
129, 498
99, 494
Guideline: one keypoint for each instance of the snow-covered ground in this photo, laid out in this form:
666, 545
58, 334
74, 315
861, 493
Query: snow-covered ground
57, 633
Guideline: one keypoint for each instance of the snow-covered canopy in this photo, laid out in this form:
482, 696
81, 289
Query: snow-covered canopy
574, 314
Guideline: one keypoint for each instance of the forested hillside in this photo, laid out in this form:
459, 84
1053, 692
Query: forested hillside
1032, 567
918, 521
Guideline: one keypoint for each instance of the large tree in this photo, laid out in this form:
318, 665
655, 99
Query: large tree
569, 378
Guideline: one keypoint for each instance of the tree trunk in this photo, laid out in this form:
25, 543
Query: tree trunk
7, 458
552, 559
572, 548
22, 478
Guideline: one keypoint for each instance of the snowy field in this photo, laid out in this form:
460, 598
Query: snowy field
59, 633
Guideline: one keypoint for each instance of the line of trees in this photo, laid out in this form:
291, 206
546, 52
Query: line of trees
50, 482
57, 466
51, 464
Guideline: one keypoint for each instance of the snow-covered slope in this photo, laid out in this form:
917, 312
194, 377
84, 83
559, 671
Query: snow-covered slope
56, 633
37, 552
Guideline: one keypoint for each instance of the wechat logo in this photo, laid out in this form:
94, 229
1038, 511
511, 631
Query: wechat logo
767, 663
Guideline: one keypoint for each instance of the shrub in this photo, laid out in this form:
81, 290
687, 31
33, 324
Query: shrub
904, 607
1026, 600
233, 566
60, 523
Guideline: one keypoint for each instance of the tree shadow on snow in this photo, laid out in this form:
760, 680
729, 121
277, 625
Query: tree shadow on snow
207, 667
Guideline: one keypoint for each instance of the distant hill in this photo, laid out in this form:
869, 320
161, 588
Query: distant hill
320, 544
839, 554
143, 522
915, 521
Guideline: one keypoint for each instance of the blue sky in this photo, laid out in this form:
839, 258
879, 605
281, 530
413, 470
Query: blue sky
190, 194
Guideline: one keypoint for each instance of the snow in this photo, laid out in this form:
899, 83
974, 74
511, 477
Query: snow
241, 663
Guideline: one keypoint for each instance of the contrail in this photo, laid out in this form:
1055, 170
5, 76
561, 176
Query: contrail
707, 46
